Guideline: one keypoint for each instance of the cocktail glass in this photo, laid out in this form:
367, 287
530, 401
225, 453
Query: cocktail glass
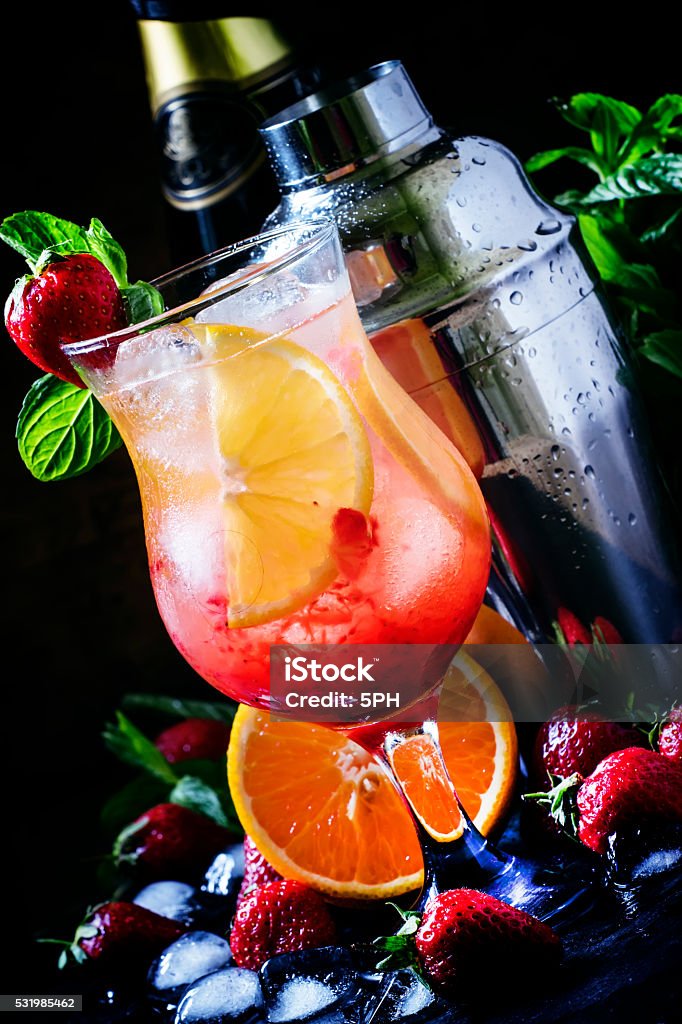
293, 493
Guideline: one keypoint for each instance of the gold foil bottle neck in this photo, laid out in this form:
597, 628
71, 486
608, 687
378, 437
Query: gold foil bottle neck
180, 56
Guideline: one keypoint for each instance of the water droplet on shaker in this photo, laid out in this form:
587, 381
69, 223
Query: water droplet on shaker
566, 431
479, 160
555, 451
516, 298
548, 227
589, 472
461, 201
527, 246
632, 519
476, 227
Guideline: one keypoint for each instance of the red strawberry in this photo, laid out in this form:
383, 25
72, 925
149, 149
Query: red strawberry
72, 299
257, 870
606, 631
353, 538
628, 787
194, 738
122, 932
280, 917
465, 934
670, 736
170, 841
576, 741
571, 629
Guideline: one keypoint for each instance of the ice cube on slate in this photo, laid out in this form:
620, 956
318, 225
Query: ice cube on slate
224, 875
404, 998
300, 999
190, 957
327, 985
170, 899
229, 996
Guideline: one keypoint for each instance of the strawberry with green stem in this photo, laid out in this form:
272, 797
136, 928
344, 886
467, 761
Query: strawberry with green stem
628, 787
118, 933
465, 934
77, 289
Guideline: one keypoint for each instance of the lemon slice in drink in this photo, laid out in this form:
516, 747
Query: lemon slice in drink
293, 451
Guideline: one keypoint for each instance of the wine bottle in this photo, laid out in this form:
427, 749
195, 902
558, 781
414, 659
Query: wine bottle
211, 81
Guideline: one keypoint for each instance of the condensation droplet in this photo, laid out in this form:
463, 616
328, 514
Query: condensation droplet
589, 472
461, 201
555, 451
548, 227
476, 227
478, 160
566, 431
516, 298
632, 519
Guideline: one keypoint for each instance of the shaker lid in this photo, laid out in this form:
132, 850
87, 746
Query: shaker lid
344, 126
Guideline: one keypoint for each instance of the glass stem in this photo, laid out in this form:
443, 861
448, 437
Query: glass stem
454, 851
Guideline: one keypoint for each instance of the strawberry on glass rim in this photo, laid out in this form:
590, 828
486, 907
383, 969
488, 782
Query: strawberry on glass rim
78, 289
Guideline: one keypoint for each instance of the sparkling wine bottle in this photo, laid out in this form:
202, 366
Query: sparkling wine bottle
211, 81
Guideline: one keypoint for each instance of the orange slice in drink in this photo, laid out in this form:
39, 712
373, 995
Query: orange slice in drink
292, 451
323, 811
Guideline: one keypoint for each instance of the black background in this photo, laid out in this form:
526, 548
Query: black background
80, 622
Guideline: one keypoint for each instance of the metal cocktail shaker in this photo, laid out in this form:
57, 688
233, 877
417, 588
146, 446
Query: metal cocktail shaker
480, 298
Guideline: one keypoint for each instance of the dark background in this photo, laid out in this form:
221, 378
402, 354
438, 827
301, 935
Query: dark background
79, 616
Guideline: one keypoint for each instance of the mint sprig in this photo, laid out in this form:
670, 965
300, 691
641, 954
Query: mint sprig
176, 707
62, 431
201, 786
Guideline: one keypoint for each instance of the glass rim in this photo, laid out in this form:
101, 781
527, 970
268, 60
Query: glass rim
318, 231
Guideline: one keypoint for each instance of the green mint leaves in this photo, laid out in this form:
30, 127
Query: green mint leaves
631, 222
176, 707
142, 302
197, 784
42, 238
62, 430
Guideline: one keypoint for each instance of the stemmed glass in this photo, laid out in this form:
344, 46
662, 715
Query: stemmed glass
293, 494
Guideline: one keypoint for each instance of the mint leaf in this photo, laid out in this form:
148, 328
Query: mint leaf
576, 153
102, 245
62, 431
655, 128
660, 174
585, 108
665, 349
32, 232
664, 230
142, 302
214, 775
40, 237
223, 711
129, 802
196, 795
129, 744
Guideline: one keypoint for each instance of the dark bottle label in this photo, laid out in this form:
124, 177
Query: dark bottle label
209, 146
